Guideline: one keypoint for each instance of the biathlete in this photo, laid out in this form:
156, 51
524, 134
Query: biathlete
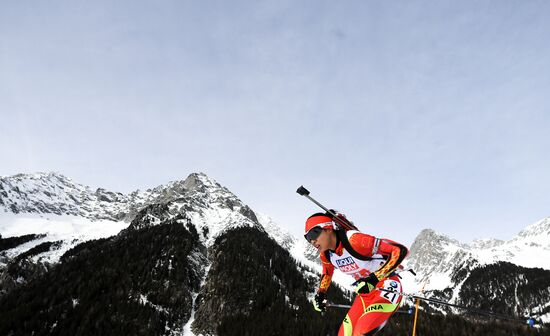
371, 261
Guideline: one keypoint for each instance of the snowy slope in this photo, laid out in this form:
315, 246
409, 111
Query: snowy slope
275, 231
70, 230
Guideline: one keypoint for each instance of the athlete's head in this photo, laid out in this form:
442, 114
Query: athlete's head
319, 231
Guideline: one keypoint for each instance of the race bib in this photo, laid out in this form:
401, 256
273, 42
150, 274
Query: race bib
391, 291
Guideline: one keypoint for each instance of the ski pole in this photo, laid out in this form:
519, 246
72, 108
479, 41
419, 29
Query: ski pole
340, 220
335, 305
530, 321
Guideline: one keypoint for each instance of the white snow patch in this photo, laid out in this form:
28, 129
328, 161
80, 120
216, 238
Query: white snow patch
187, 326
72, 230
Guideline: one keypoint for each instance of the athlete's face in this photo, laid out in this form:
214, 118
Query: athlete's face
323, 242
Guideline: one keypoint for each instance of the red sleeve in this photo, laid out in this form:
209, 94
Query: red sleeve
368, 245
326, 276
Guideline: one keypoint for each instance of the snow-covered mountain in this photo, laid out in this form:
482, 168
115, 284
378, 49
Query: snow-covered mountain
53, 193
446, 267
48, 214
167, 250
434, 256
66, 211
70, 213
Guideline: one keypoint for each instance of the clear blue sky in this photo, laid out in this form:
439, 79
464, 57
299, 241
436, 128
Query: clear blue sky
404, 114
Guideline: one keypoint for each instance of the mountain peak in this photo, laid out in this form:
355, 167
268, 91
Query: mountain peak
200, 181
430, 250
429, 235
537, 229
38, 176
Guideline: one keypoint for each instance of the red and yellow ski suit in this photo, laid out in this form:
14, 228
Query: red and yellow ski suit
359, 254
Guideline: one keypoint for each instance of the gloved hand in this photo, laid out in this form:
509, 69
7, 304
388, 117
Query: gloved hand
366, 285
319, 304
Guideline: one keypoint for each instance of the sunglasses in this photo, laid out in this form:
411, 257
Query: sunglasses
313, 233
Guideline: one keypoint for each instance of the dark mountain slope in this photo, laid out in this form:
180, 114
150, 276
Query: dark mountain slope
254, 288
139, 283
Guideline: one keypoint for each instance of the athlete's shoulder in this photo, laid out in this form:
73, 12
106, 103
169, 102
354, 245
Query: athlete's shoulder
354, 235
361, 242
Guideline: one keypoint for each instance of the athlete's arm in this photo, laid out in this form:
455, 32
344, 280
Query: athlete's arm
395, 252
368, 245
326, 276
